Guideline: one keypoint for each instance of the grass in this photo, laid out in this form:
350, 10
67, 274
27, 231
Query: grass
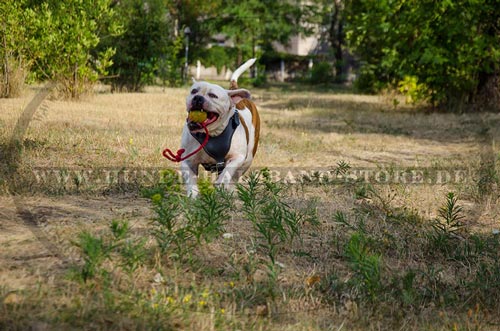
322, 253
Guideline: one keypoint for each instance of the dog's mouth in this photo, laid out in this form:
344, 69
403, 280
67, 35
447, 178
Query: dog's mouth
197, 118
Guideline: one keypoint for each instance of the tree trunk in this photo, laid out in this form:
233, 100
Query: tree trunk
337, 39
5, 90
252, 70
487, 94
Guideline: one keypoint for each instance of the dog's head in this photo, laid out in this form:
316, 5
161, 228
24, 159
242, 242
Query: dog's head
217, 102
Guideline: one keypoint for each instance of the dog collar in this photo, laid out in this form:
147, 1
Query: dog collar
218, 146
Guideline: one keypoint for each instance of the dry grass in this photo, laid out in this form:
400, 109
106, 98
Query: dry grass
301, 130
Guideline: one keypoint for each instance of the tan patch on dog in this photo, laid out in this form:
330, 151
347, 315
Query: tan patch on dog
233, 85
245, 103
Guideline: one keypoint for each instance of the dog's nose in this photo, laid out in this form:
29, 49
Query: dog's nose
197, 102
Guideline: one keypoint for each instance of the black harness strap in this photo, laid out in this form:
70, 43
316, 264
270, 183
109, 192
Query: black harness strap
218, 147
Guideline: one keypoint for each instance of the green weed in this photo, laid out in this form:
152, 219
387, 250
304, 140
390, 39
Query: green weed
448, 226
181, 223
94, 252
365, 265
275, 221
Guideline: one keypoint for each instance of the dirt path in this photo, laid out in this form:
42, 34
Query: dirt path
35, 236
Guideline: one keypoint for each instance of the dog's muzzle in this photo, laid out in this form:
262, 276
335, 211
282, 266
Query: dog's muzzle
198, 104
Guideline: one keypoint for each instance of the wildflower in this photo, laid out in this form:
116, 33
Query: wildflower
202, 303
156, 198
187, 298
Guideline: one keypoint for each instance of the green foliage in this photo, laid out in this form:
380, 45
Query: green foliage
169, 63
272, 218
408, 291
365, 265
322, 73
255, 24
219, 57
181, 223
451, 217
449, 227
207, 215
94, 252
168, 183
205, 186
451, 48
341, 218
113, 245
63, 36
412, 89
201, 17
13, 60
147, 48
261, 79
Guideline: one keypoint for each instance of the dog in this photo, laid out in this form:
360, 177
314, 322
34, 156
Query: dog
233, 125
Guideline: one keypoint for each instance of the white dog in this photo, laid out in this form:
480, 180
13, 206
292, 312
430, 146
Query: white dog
233, 124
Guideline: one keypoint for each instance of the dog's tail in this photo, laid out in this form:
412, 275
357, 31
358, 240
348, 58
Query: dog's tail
237, 73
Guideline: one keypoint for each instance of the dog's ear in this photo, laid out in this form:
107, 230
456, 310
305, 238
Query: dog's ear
237, 95
194, 80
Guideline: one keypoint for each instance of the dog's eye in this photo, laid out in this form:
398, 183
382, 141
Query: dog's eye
213, 96
194, 91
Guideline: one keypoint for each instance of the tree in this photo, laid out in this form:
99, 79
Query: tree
63, 36
254, 25
146, 47
336, 36
199, 16
333, 21
451, 49
12, 48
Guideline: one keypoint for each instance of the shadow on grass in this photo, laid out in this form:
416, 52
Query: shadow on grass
335, 113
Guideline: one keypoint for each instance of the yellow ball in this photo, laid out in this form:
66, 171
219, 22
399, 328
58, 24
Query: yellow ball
197, 116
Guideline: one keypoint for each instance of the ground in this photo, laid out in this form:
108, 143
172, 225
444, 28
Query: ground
319, 284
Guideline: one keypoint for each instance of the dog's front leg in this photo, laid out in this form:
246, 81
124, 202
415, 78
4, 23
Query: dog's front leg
229, 176
190, 176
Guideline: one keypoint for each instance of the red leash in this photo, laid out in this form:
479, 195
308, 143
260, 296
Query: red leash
178, 157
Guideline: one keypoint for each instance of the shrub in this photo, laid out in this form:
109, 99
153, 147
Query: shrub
13, 46
454, 52
62, 39
365, 265
322, 73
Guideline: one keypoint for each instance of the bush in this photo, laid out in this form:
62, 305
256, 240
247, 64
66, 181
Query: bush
322, 73
147, 49
453, 51
62, 40
219, 57
12, 37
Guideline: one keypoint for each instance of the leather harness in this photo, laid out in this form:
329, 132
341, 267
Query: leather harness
218, 147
